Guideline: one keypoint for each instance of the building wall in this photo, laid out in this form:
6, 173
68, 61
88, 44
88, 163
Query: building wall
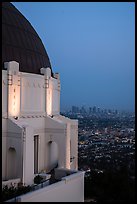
48, 130
55, 96
32, 94
31, 99
70, 189
4, 93
21, 134
11, 140
35, 99
39, 94
74, 145
4, 148
73, 139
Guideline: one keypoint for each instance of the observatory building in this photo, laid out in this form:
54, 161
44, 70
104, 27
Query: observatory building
36, 139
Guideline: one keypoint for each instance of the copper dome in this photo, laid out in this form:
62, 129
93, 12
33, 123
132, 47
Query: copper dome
20, 42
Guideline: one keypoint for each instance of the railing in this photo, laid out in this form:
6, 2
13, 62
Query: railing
34, 187
59, 175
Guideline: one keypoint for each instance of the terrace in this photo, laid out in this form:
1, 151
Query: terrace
41, 181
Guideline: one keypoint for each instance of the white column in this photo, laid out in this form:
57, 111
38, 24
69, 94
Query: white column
28, 155
48, 89
67, 147
13, 88
57, 76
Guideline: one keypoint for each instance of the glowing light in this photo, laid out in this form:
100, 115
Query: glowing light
49, 101
14, 100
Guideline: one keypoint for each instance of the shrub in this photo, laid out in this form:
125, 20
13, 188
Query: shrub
38, 179
11, 192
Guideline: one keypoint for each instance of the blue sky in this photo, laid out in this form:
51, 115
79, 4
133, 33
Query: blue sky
92, 46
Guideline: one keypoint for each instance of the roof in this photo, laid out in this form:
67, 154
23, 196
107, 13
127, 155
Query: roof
20, 42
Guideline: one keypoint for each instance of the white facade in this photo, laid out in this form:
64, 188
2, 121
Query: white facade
35, 137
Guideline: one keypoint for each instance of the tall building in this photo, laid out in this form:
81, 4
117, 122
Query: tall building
90, 110
36, 139
94, 109
98, 109
75, 109
83, 110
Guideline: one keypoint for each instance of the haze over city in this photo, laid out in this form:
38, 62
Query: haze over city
92, 46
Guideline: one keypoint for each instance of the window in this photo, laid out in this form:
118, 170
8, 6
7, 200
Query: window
36, 140
12, 163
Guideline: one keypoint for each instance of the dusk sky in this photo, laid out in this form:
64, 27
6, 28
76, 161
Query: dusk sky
92, 46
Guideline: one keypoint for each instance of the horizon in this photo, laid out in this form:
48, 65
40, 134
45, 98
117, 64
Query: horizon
69, 108
92, 46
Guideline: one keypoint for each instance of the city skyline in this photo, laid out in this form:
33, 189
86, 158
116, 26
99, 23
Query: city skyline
93, 108
89, 110
92, 46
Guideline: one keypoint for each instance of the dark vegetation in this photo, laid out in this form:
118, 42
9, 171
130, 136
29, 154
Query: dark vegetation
110, 186
38, 179
11, 192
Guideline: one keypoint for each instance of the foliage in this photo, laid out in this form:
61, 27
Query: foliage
11, 192
110, 187
38, 179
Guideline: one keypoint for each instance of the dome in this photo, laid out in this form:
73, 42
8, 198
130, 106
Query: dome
20, 42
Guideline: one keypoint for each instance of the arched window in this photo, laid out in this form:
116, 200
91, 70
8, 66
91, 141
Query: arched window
53, 154
12, 163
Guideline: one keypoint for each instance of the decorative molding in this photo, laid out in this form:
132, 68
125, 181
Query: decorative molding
39, 85
49, 130
24, 133
46, 83
19, 83
10, 79
12, 136
32, 113
31, 75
